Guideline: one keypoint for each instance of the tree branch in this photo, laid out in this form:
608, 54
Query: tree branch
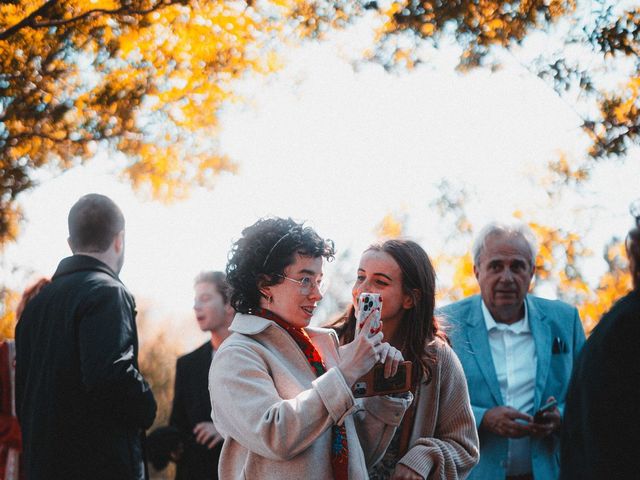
27, 135
30, 21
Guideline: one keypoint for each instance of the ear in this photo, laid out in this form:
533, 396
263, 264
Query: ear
476, 272
409, 300
118, 241
265, 290
533, 278
70, 244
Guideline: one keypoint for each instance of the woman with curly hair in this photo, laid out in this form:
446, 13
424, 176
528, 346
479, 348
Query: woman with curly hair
437, 438
281, 390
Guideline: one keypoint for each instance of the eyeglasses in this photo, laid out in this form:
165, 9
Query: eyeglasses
307, 284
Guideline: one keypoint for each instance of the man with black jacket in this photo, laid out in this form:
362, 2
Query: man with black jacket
82, 403
191, 412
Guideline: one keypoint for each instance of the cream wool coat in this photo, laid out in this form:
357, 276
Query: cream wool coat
276, 415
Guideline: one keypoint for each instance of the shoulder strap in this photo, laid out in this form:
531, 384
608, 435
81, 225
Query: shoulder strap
406, 426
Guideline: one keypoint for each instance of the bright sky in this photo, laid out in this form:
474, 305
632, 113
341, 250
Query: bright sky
341, 147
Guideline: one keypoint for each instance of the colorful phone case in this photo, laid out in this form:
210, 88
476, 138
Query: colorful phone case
368, 302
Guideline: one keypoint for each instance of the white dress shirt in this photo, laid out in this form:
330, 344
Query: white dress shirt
514, 357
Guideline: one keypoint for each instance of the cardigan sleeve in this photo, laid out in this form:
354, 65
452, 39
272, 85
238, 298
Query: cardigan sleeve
453, 450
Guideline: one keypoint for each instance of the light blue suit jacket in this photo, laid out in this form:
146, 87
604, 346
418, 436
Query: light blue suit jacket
558, 336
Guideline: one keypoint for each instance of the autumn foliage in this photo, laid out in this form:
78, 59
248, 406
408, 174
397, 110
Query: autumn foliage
141, 79
145, 80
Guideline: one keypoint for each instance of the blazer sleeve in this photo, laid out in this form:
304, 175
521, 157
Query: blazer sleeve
178, 417
108, 363
454, 449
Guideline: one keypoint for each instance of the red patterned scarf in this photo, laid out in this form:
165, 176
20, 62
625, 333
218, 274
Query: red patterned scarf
339, 447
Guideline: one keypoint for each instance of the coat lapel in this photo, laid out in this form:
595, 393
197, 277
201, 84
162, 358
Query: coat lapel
479, 341
542, 338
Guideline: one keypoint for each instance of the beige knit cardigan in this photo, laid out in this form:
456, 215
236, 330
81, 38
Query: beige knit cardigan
444, 441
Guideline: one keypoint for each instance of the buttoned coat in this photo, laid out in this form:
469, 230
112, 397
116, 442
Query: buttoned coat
276, 415
558, 336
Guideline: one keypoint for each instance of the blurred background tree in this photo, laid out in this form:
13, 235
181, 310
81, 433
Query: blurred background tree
145, 80
579, 45
159, 351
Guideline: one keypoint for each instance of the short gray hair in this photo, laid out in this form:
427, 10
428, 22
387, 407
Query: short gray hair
508, 230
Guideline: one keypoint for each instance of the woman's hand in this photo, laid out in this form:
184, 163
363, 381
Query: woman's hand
391, 357
359, 356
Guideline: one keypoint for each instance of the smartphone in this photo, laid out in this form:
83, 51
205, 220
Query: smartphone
537, 418
367, 303
374, 383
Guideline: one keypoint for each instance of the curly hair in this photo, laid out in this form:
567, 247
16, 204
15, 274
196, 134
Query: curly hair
419, 325
265, 249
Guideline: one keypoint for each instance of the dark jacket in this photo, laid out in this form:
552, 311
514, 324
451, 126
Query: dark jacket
82, 403
191, 405
600, 437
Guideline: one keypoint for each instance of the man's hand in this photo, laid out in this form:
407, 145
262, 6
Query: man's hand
206, 434
548, 422
502, 421
402, 472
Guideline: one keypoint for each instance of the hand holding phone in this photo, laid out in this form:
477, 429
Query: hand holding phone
538, 417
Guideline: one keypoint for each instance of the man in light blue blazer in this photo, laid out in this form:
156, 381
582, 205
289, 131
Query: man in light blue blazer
517, 351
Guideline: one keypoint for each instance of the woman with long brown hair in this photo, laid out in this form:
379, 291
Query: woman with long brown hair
437, 437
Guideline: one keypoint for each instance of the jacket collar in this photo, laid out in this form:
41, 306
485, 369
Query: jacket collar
479, 341
249, 324
325, 340
541, 332
478, 338
80, 263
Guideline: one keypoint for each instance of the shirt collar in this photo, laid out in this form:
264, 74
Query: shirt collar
521, 326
